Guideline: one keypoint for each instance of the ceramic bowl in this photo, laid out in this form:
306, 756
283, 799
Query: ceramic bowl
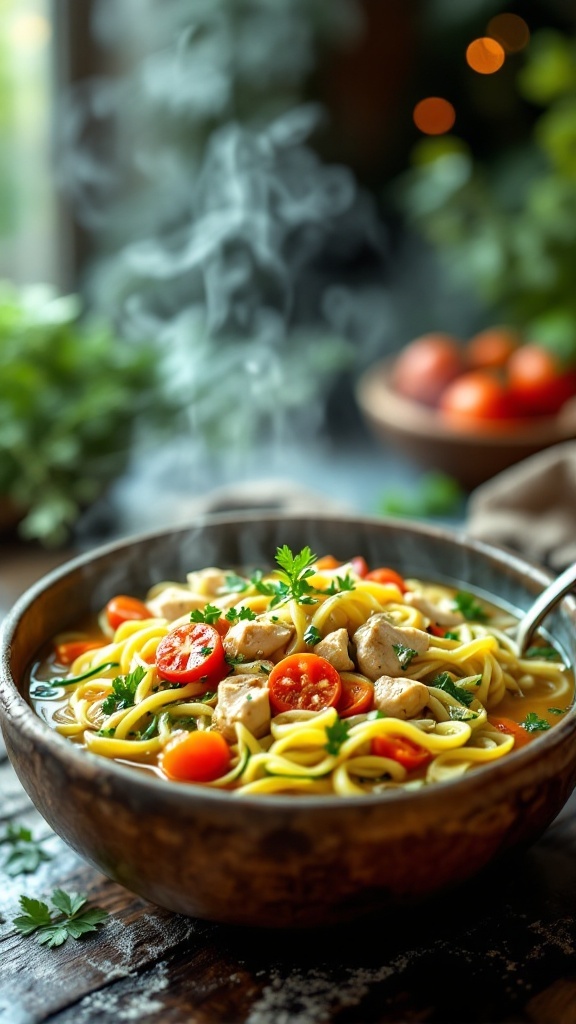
278, 861
471, 457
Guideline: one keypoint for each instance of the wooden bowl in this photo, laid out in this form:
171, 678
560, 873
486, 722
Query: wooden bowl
471, 457
278, 861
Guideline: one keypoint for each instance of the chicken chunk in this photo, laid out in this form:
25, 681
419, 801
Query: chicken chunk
375, 642
209, 582
400, 697
173, 602
254, 639
442, 614
242, 699
334, 648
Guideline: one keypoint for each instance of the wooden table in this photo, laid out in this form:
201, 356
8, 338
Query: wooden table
500, 949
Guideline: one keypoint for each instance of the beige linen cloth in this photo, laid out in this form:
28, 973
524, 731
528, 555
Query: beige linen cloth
531, 507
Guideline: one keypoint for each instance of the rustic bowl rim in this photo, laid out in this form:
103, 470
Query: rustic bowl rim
14, 706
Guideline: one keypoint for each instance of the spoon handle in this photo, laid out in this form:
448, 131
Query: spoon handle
544, 604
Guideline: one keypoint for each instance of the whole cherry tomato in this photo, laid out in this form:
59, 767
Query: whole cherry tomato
124, 608
386, 575
426, 365
538, 381
477, 399
491, 348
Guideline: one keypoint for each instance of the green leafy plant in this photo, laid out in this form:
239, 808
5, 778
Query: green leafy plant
72, 393
504, 226
25, 854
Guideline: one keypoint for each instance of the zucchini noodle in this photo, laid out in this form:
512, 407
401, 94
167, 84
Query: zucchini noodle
426, 691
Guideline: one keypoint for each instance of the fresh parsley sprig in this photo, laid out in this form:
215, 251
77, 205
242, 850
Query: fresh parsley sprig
404, 654
25, 854
72, 918
336, 735
533, 723
444, 682
123, 691
244, 613
294, 572
340, 584
469, 607
210, 614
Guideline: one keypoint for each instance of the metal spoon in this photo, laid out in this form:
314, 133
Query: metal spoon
543, 604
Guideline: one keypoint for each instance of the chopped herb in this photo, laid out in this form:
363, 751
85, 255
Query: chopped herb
336, 735
151, 729
265, 669
189, 723
449, 635
444, 682
240, 614
532, 723
209, 614
461, 714
53, 929
341, 583
234, 584
206, 651
312, 636
469, 607
25, 854
274, 618
248, 696
546, 653
404, 654
558, 711
106, 732
123, 691
235, 660
205, 698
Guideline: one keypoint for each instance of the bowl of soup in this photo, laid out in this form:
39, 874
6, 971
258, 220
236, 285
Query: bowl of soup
290, 721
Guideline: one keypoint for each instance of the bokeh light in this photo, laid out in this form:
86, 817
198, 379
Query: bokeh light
29, 31
510, 30
434, 115
485, 55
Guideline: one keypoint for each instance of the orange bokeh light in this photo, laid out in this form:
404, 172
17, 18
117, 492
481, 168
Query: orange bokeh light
485, 55
434, 115
510, 30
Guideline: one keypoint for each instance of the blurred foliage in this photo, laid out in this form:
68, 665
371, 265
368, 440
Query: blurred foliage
505, 228
71, 396
437, 496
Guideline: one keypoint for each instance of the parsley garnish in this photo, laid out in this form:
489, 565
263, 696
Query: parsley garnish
294, 573
444, 682
312, 636
404, 654
461, 714
547, 653
449, 635
26, 853
206, 651
53, 929
124, 691
336, 735
558, 711
235, 660
340, 584
239, 614
469, 606
234, 584
532, 723
210, 614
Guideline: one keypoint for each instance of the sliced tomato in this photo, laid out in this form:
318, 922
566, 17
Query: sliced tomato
512, 728
386, 575
410, 755
359, 565
304, 682
123, 608
435, 630
196, 757
67, 652
356, 698
192, 653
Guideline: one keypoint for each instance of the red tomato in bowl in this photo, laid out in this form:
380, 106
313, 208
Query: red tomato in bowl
304, 682
192, 653
538, 382
477, 399
426, 365
491, 348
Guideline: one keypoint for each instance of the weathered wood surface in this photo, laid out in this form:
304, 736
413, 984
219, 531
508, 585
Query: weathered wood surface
501, 949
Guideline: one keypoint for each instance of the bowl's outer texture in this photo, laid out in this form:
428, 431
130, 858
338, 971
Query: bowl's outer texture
471, 457
277, 861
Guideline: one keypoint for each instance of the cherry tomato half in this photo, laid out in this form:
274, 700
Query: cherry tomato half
410, 755
512, 728
198, 757
192, 653
356, 698
68, 651
123, 608
386, 575
304, 682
